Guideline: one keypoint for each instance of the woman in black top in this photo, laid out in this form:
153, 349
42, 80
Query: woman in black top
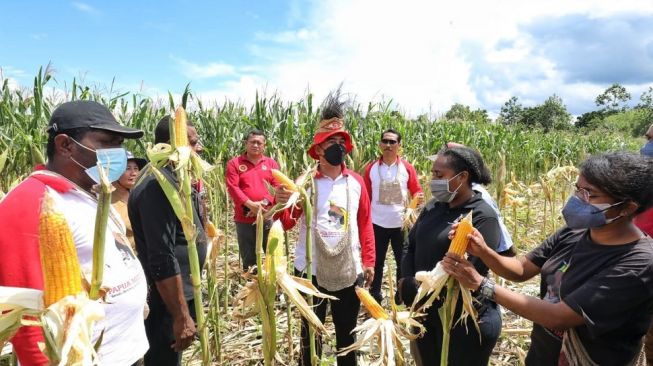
596, 273
454, 170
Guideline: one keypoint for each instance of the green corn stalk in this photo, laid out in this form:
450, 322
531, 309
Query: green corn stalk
308, 218
267, 286
446, 313
103, 189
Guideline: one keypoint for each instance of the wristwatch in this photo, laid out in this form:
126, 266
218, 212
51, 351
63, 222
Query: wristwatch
486, 289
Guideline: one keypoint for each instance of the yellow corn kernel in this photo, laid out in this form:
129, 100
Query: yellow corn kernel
275, 245
413, 202
372, 307
180, 128
286, 182
62, 275
211, 230
460, 241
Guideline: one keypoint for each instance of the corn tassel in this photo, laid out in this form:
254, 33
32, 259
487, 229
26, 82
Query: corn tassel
62, 275
460, 240
370, 304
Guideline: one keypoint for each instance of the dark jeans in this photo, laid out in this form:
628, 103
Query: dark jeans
465, 349
246, 234
344, 313
382, 237
158, 328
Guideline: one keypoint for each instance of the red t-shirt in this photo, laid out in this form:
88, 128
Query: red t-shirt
247, 181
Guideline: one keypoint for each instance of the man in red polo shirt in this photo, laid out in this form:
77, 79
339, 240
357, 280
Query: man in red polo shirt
247, 175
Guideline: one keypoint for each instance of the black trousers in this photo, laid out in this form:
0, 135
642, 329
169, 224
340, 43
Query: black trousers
246, 234
465, 348
383, 236
158, 328
344, 313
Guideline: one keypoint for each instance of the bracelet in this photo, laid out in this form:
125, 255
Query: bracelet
486, 289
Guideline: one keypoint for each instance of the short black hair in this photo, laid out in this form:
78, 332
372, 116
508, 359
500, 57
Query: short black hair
392, 130
463, 158
74, 133
254, 132
623, 176
162, 130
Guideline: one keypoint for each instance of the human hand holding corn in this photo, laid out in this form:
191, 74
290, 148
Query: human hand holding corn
462, 270
476, 246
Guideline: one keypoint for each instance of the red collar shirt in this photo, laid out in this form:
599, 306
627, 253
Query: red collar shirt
247, 181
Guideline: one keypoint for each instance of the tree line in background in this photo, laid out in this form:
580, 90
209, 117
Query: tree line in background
613, 113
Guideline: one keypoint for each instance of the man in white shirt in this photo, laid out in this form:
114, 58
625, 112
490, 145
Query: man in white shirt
391, 182
343, 240
79, 133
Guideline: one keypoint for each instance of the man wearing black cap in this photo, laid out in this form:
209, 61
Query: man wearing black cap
81, 134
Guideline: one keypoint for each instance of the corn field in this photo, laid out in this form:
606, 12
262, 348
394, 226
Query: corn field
531, 181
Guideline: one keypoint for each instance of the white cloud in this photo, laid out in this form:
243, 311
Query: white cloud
196, 71
424, 55
85, 8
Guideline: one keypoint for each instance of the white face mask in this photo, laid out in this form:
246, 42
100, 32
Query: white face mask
440, 189
113, 160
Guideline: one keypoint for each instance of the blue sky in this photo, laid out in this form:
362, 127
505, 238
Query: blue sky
422, 55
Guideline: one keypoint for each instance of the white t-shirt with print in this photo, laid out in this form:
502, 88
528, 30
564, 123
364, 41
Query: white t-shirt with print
124, 341
332, 214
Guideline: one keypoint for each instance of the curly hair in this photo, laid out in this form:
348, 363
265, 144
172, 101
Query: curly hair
463, 158
623, 176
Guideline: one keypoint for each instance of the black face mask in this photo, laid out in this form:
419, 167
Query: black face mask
335, 154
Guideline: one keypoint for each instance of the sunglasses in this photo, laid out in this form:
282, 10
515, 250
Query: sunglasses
388, 142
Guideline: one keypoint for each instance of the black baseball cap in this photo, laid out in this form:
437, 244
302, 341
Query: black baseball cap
86, 113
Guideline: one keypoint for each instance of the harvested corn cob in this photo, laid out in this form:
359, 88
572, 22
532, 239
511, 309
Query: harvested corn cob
62, 275
180, 126
283, 179
460, 241
372, 307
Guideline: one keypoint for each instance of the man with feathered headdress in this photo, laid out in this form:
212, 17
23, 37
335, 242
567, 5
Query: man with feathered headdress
343, 246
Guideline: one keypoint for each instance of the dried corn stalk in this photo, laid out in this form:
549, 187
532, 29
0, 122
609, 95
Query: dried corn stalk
387, 329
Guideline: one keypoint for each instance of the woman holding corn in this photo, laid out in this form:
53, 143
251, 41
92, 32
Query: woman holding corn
596, 272
454, 171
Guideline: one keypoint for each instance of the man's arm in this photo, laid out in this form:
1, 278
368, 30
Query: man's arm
171, 290
413, 181
365, 233
233, 184
368, 180
159, 227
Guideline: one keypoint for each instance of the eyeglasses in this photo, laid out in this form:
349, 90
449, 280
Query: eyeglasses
583, 194
648, 137
388, 142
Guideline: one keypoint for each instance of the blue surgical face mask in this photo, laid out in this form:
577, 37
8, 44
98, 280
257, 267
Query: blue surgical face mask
440, 189
647, 149
113, 160
579, 214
